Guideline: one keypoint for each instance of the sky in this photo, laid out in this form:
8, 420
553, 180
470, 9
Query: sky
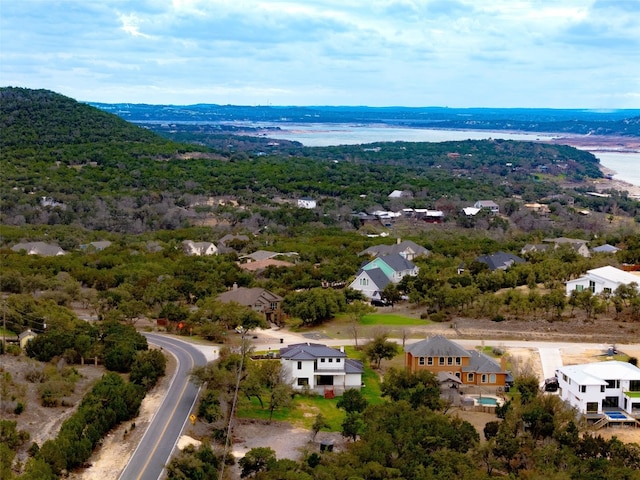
451, 53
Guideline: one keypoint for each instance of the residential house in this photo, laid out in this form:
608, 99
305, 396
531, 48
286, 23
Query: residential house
499, 260
471, 211
430, 216
539, 208
603, 279
321, 369
370, 283
199, 249
39, 248
400, 194
536, 248
438, 354
594, 388
259, 255
260, 265
606, 248
488, 205
258, 299
97, 246
579, 245
406, 249
306, 202
373, 276
25, 337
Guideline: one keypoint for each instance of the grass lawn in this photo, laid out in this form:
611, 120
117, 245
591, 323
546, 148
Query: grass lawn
393, 323
305, 408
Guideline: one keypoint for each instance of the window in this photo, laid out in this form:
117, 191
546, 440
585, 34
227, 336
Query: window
579, 288
592, 286
606, 290
583, 389
458, 361
492, 378
441, 361
325, 380
322, 360
299, 365
337, 360
483, 378
274, 306
470, 377
331, 360
601, 388
592, 407
634, 385
458, 374
430, 361
364, 282
421, 361
613, 383
449, 360
303, 381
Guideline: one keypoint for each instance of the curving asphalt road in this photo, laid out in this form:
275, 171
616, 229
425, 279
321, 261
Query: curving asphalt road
153, 452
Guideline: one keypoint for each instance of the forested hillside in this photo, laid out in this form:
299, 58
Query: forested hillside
65, 162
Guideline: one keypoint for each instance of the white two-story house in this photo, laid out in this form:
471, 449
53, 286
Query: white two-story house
319, 368
594, 388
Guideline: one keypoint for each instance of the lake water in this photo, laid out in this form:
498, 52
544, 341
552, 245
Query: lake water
324, 135
626, 165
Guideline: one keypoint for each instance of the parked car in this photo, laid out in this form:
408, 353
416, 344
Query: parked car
379, 303
551, 384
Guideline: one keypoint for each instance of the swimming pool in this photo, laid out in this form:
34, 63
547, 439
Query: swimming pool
486, 400
616, 415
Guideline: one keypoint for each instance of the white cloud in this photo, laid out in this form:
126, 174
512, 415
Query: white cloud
528, 53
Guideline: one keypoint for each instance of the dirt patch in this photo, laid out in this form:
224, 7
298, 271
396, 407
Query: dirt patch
42, 423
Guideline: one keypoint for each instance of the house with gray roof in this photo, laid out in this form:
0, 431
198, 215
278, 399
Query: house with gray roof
374, 275
321, 369
96, 246
499, 260
490, 205
577, 244
438, 354
606, 248
258, 299
39, 248
406, 249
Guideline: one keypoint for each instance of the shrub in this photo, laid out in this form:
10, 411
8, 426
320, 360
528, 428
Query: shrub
498, 318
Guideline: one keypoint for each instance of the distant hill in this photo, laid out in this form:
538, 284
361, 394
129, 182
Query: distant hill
576, 121
64, 162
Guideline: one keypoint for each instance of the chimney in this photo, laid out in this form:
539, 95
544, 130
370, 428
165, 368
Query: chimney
235, 286
503, 363
398, 241
342, 349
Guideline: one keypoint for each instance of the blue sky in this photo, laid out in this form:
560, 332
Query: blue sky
456, 53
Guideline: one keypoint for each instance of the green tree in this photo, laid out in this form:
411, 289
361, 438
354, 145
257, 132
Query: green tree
420, 388
256, 460
381, 348
352, 400
357, 310
391, 294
